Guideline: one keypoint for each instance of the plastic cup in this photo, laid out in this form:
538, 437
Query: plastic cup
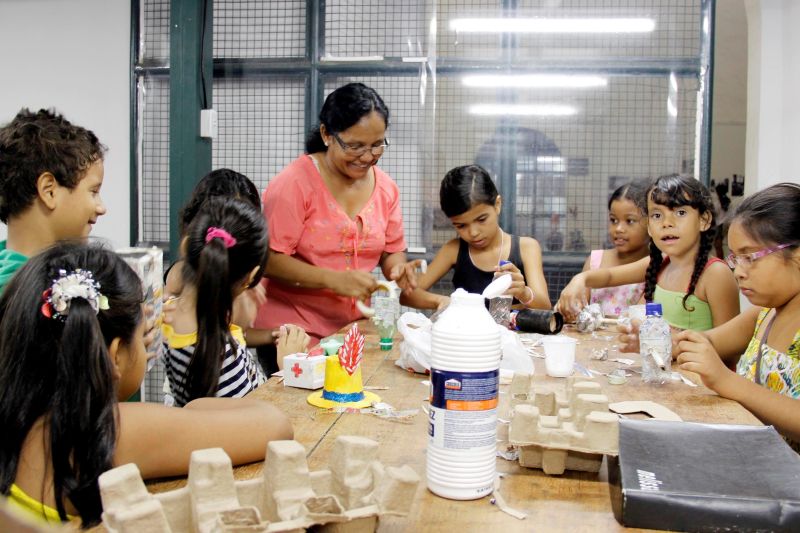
559, 355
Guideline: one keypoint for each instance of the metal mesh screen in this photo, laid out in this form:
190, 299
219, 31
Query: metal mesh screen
260, 125
154, 158
401, 161
358, 28
254, 28
154, 40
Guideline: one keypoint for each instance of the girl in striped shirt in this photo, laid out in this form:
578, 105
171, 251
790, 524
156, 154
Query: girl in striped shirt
224, 252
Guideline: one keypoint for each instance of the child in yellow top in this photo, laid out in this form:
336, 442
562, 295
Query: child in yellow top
71, 348
763, 342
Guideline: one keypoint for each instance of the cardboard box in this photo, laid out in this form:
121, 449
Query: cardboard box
703, 477
148, 263
304, 371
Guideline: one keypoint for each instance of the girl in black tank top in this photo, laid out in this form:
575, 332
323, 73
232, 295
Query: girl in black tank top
482, 250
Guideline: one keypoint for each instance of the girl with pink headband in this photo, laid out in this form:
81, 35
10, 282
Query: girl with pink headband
224, 253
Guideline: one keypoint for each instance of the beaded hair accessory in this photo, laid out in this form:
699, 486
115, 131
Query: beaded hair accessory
68, 286
218, 233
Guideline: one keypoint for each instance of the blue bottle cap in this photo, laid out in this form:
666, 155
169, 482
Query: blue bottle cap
652, 308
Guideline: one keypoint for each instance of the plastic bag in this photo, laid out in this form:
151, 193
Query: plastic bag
415, 349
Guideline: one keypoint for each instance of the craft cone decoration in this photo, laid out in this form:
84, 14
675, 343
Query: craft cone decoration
343, 384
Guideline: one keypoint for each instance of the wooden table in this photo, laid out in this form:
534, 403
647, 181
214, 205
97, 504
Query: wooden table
570, 502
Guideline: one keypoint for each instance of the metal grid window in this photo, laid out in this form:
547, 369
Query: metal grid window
274, 62
258, 29
261, 125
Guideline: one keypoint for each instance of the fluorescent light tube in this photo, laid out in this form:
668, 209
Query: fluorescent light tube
544, 81
553, 25
541, 110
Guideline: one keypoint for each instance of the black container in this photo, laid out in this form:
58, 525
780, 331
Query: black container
539, 321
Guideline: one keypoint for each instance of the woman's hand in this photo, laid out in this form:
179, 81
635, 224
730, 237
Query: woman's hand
151, 329
292, 339
573, 298
696, 354
517, 289
353, 283
405, 275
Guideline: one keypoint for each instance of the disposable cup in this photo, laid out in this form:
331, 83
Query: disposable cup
559, 355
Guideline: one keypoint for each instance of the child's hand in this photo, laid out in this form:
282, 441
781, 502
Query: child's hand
151, 328
517, 289
292, 339
696, 354
629, 337
405, 274
573, 299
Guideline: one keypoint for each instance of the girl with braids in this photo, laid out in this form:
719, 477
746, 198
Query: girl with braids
71, 350
224, 253
695, 292
764, 237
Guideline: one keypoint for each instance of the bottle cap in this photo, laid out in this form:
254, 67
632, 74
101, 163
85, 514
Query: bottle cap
652, 308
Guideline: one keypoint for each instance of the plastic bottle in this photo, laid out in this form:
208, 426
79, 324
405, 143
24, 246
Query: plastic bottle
387, 311
465, 358
655, 346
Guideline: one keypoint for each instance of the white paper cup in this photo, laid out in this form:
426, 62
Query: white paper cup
559, 355
636, 312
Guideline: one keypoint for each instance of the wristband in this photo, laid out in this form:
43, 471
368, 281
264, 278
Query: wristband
529, 300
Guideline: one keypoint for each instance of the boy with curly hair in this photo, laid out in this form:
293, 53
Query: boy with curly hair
51, 172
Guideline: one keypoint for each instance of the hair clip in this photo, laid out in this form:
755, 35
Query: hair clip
68, 286
218, 233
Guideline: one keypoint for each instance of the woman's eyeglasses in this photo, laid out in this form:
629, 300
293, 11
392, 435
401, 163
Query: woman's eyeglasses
357, 150
746, 260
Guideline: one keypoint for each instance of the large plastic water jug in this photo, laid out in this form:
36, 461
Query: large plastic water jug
465, 358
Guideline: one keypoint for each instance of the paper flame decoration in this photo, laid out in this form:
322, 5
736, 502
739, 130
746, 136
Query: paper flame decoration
353, 349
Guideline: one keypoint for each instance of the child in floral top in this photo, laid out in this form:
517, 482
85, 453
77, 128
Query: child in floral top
764, 237
627, 230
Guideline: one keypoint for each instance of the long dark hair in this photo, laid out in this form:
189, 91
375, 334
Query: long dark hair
216, 271
772, 216
61, 372
343, 108
219, 182
465, 187
678, 191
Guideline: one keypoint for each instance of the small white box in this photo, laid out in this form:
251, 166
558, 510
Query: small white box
304, 371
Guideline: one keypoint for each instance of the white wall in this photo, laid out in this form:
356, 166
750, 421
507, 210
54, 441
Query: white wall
773, 86
73, 55
729, 114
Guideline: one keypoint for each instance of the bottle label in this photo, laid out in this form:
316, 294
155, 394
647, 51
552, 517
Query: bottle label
463, 411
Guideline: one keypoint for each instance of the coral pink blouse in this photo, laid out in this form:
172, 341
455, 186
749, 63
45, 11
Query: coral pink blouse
306, 222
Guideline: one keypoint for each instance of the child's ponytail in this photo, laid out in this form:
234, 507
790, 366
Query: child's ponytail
85, 367
225, 243
653, 269
706, 243
55, 368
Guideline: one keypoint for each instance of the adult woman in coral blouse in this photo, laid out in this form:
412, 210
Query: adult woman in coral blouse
333, 216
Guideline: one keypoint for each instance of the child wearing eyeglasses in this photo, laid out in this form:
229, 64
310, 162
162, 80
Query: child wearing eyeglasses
764, 237
695, 291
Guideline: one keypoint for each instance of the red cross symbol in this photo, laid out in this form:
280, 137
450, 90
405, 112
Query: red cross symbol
297, 370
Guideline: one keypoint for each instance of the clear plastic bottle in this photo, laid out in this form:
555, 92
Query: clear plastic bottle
465, 358
655, 346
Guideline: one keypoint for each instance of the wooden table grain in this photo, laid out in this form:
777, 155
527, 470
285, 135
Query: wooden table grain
574, 501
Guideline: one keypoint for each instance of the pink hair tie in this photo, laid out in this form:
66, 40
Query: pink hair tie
218, 233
